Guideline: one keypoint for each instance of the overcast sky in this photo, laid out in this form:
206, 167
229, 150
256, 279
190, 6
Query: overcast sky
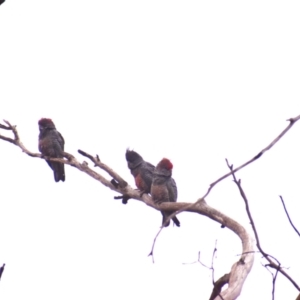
193, 82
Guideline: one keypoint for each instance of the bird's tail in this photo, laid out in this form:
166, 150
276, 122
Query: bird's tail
165, 216
175, 220
59, 171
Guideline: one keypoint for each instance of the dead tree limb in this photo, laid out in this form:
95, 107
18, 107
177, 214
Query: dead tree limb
288, 216
1, 270
272, 264
239, 270
291, 121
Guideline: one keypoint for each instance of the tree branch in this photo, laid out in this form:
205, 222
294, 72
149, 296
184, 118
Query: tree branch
267, 256
71, 160
218, 286
282, 201
241, 268
257, 156
96, 160
1, 270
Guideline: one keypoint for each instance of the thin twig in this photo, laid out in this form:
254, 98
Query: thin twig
217, 286
153, 244
198, 261
282, 201
111, 172
212, 263
4, 127
265, 255
257, 156
274, 283
274, 277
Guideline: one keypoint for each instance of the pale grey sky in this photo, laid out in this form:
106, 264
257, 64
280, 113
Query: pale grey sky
193, 82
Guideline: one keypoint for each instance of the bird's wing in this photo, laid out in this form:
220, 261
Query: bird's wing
61, 140
172, 187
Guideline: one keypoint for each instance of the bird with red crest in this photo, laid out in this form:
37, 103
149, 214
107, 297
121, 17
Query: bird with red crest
163, 188
51, 144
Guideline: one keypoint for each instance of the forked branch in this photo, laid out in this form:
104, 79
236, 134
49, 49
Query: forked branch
239, 270
273, 262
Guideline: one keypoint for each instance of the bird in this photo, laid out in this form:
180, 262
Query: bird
163, 188
51, 143
141, 170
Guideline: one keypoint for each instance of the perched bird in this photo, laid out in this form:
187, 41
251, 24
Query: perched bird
51, 143
141, 170
163, 188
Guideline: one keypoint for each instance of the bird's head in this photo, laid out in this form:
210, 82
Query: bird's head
45, 124
164, 164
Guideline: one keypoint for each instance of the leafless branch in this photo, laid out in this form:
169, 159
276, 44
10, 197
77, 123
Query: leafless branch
198, 261
212, 263
274, 277
274, 283
291, 121
1, 270
71, 160
239, 270
96, 160
218, 285
4, 127
282, 201
257, 156
220, 282
153, 244
267, 256
242, 267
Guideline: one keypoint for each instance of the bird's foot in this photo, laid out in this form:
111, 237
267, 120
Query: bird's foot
124, 198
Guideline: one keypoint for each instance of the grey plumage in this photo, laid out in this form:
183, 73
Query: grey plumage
51, 143
164, 188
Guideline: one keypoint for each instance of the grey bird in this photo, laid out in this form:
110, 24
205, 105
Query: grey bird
163, 188
51, 143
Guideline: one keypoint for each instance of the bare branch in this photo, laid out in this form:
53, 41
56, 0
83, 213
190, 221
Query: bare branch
198, 261
242, 267
239, 270
267, 256
4, 127
153, 244
274, 277
282, 201
291, 121
274, 283
257, 156
1, 270
220, 282
111, 172
212, 264
218, 286
72, 161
